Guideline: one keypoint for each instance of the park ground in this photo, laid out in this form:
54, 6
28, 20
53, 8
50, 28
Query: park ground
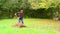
33, 26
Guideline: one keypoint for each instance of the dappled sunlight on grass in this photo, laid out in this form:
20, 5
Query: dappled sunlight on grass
34, 26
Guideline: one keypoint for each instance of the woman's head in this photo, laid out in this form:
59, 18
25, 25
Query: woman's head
21, 11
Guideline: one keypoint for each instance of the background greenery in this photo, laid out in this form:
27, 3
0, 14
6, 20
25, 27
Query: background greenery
32, 8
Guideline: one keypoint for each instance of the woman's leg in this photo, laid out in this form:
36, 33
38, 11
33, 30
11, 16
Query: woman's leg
18, 19
22, 21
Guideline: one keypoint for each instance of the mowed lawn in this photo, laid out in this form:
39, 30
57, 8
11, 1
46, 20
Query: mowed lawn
33, 26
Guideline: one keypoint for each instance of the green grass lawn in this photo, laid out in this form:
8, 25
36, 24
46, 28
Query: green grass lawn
34, 26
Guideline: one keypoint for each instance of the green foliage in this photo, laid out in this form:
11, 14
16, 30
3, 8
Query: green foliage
32, 8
